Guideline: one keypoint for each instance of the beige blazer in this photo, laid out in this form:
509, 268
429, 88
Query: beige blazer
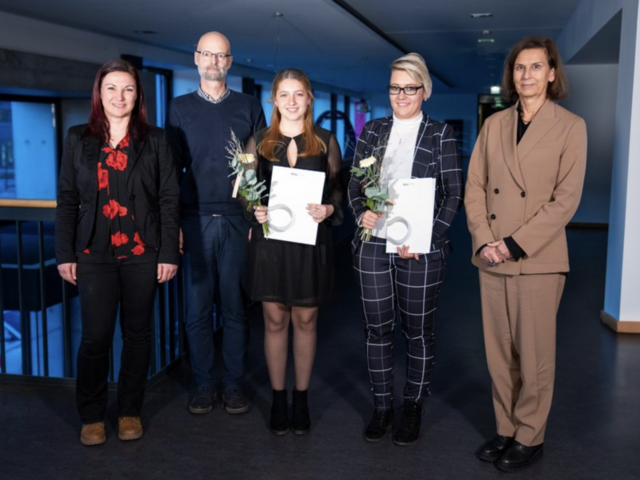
528, 191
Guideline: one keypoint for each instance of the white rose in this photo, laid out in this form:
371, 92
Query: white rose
246, 158
367, 162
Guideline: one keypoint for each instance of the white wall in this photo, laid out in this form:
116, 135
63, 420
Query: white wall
598, 83
622, 301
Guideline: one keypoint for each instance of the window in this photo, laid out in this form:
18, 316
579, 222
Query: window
28, 149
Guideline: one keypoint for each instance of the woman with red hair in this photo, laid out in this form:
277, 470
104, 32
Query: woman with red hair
116, 239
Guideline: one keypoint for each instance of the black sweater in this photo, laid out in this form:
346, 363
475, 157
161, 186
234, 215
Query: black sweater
198, 132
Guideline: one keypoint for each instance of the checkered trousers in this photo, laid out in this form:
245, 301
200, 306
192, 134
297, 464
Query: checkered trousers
388, 282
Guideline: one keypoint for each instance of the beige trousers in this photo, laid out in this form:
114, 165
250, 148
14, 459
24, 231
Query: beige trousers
519, 320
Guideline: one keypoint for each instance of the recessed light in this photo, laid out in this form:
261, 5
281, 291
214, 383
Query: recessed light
495, 90
486, 40
481, 15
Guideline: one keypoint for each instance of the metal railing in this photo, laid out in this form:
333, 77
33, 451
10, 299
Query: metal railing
40, 324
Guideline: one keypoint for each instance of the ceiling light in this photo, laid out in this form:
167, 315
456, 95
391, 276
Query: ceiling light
486, 40
495, 89
481, 15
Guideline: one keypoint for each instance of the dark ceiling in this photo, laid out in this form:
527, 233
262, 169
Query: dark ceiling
345, 43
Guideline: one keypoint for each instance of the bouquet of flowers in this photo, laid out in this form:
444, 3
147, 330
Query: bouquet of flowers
370, 170
246, 183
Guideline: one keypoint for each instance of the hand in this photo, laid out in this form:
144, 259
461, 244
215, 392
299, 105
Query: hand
166, 271
403, 251
369, 219
68, 272
502, 249
261, 213
491, 255
319, 213
181, 243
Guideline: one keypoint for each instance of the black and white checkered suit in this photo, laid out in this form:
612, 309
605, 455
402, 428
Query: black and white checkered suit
387, 281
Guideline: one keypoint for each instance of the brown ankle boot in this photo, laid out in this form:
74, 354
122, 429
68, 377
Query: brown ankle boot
129, 428
93, 434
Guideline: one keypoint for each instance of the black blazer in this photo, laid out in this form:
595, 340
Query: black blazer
435, 155
153, 191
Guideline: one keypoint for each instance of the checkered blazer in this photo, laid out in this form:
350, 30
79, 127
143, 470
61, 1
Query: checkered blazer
435, 155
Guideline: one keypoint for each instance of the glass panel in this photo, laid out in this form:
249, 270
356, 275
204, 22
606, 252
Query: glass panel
27, 150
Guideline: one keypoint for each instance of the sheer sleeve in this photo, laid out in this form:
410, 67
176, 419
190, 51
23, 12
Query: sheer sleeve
334, 192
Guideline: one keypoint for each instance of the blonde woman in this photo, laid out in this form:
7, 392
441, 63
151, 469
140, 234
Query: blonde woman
417, 147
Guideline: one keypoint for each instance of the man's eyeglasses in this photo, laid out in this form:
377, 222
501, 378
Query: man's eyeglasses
208, 55
408, 90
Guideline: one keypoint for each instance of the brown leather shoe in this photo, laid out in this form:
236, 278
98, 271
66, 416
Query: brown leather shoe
93, 434
129, 428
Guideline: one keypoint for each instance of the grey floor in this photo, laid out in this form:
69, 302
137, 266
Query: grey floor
594, 429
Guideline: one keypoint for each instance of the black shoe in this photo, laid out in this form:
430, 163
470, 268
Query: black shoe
409, 428
300, 422
234, 401
378, 426
518, 456
491, 450
279, 422
202, 401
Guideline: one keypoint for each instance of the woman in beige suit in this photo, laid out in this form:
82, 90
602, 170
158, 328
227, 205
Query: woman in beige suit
524, 185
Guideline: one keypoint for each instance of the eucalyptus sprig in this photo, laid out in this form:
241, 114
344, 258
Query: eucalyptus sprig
243, 166
377, 195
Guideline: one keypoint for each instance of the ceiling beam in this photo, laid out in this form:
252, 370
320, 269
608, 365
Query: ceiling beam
378, 31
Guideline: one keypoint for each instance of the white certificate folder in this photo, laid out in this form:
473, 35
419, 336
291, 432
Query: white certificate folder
410, 220
291, 190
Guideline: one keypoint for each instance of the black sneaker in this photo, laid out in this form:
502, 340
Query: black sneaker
234, 401
378, 426
202, 401
409, 428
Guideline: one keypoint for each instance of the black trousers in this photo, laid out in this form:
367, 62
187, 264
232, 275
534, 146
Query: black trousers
102, 287
387, 282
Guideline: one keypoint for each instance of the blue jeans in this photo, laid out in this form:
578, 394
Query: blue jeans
215, 255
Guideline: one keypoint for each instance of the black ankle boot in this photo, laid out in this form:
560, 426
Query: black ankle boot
300, 422
279, 422
409, 428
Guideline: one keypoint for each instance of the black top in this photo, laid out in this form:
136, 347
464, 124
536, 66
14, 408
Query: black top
296, 274
522, 127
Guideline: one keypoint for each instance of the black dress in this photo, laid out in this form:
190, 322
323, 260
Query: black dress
294, 274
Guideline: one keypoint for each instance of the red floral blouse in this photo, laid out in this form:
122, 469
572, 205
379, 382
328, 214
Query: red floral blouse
115, 234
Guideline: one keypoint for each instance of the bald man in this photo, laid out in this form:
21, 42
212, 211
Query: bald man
213, 227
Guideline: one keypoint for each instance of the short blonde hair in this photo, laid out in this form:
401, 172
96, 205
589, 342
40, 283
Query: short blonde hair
415, 66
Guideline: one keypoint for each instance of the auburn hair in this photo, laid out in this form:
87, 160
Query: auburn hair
98, 121
556, 90
313, 144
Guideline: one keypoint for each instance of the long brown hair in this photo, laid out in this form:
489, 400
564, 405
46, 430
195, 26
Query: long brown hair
556, 90
98, 121
313, 144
